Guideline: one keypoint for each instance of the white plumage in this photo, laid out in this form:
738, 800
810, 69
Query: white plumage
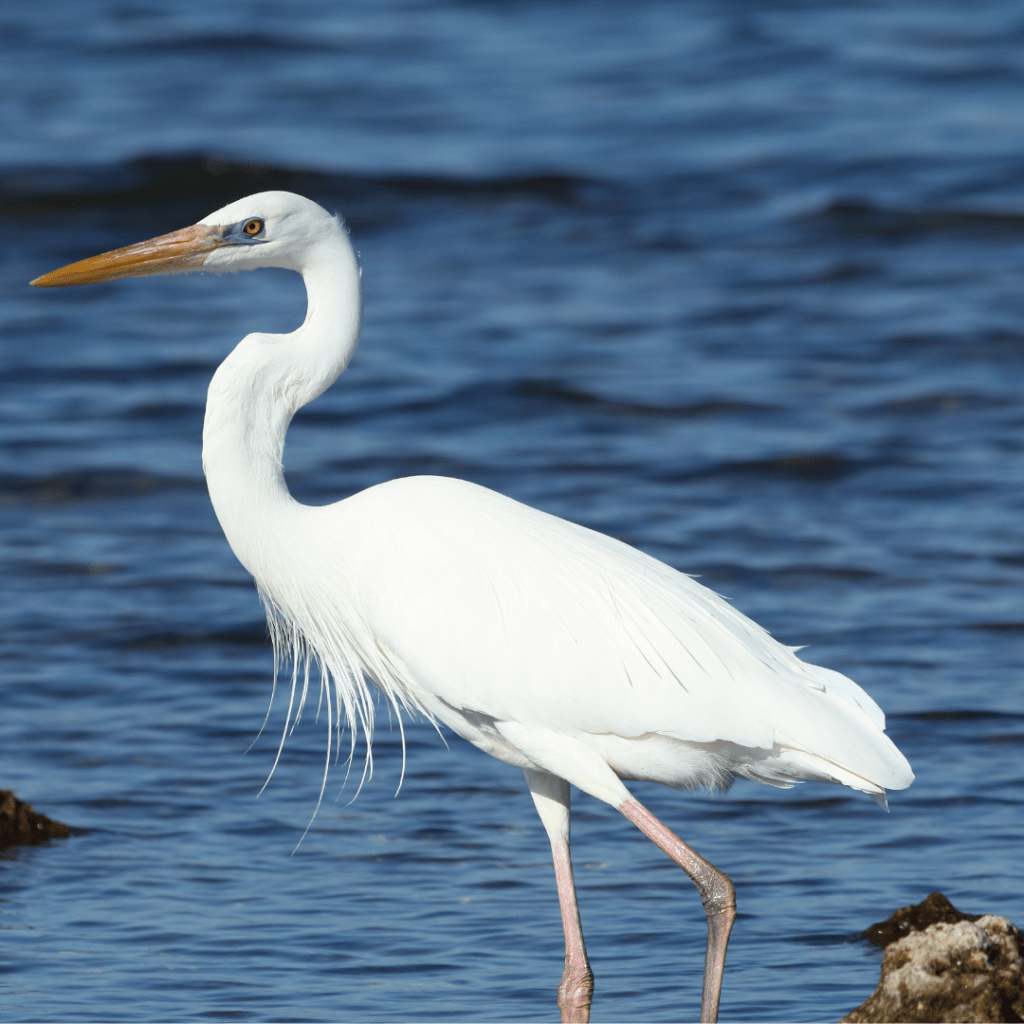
545, 644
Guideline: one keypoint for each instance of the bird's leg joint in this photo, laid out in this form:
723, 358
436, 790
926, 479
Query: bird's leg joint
576, 992
717, 894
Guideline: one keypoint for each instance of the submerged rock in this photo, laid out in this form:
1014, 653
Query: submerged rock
947, 966
21, 825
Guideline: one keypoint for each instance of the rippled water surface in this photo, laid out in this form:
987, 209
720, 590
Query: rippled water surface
737, 282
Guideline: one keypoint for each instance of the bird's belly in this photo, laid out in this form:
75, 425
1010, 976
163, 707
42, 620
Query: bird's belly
653, 757
480, 730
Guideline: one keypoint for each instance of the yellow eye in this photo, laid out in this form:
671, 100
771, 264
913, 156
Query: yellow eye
253, 227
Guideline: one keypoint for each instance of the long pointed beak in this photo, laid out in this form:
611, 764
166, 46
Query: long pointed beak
177, 252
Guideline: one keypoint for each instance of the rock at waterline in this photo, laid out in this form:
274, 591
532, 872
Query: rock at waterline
933, 910
21, 825
941, 965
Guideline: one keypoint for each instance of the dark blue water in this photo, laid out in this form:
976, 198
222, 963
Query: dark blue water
740, 282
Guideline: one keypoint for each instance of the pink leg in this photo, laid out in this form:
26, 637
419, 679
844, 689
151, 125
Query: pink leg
715, 890
551, 795
577, 987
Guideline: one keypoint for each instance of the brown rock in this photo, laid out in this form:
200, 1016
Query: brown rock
932, 910
21, 825
969, 970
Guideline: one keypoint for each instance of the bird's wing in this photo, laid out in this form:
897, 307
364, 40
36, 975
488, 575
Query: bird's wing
519, 616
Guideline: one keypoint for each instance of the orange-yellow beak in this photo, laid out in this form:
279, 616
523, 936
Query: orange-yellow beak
179, 251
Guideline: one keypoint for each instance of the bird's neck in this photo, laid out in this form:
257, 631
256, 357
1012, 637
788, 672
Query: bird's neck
253, 396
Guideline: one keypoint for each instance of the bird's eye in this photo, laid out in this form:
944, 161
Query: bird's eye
253, 227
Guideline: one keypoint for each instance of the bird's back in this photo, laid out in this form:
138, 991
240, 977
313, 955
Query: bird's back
498, 613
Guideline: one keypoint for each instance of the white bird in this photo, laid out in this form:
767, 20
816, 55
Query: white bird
545, 644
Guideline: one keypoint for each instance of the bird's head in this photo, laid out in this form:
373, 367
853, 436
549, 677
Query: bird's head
269, 229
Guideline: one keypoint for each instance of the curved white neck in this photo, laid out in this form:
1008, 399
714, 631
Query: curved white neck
257, 390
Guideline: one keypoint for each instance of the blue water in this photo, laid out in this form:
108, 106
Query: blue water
740, 282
